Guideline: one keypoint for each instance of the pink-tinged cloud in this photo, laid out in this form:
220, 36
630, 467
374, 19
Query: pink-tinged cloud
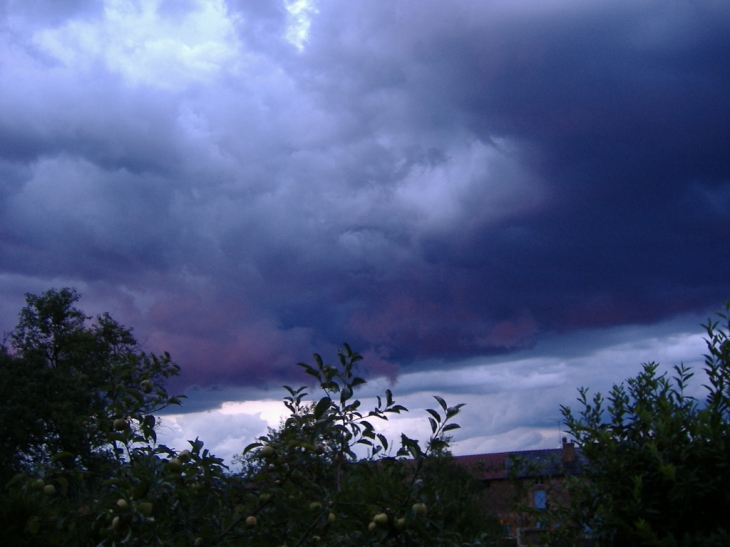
509, 335
430, 328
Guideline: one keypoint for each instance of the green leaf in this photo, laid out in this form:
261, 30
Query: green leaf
61, 455
345, 394
435, 414
251, 447
441, 402
140, 491
454, 410
451, 427
322, 406
312, 372
33, 525
383, 441
434, 425
397, 409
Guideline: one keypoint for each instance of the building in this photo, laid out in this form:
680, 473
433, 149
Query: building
518, 485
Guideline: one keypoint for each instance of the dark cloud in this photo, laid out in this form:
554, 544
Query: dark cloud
423, 180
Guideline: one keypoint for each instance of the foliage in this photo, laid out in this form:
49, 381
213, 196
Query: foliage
416, 497
90, 471
67, 379
659, 465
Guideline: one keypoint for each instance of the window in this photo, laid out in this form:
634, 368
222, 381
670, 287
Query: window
540, 498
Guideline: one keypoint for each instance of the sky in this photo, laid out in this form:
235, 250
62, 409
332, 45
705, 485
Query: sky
493, 201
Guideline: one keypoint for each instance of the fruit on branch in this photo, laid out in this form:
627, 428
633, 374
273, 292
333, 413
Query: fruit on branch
175, 465
381, 519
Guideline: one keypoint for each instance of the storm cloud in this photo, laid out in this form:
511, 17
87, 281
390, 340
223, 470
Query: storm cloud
247, 182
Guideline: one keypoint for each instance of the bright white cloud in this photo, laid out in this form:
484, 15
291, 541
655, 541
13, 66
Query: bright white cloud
511, 404
146, 45
300, 20
469, 183
225, 431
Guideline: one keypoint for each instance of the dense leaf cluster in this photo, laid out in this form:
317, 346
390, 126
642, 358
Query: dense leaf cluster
659, 459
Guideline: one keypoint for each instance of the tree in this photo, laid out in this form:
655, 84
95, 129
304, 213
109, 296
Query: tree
659, 460
66, 378
305, 485
312, 489
70, 390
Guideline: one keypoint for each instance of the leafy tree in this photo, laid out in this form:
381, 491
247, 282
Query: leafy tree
66, 379
659, 459
304, 484
71, 389
317, 492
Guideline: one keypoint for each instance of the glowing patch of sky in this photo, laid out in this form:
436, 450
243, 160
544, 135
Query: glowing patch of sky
510, 405
300, 20
138, 40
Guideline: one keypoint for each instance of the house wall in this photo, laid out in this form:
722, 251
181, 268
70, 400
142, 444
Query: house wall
501, 497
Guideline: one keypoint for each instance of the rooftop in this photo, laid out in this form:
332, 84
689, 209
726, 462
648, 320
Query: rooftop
532, 463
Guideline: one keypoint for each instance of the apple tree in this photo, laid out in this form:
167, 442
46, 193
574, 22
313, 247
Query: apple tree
93, 473
311, 488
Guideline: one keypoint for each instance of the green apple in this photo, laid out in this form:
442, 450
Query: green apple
315, 505
49, 489
266, 496
115, 523
185, 455
372, 527
400, 523
147, 386
267, 451
122, 504
38, 485
381, 519
420, 509
251, 521
145, 508
121, 424
175, 465
199, 542
331, 518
